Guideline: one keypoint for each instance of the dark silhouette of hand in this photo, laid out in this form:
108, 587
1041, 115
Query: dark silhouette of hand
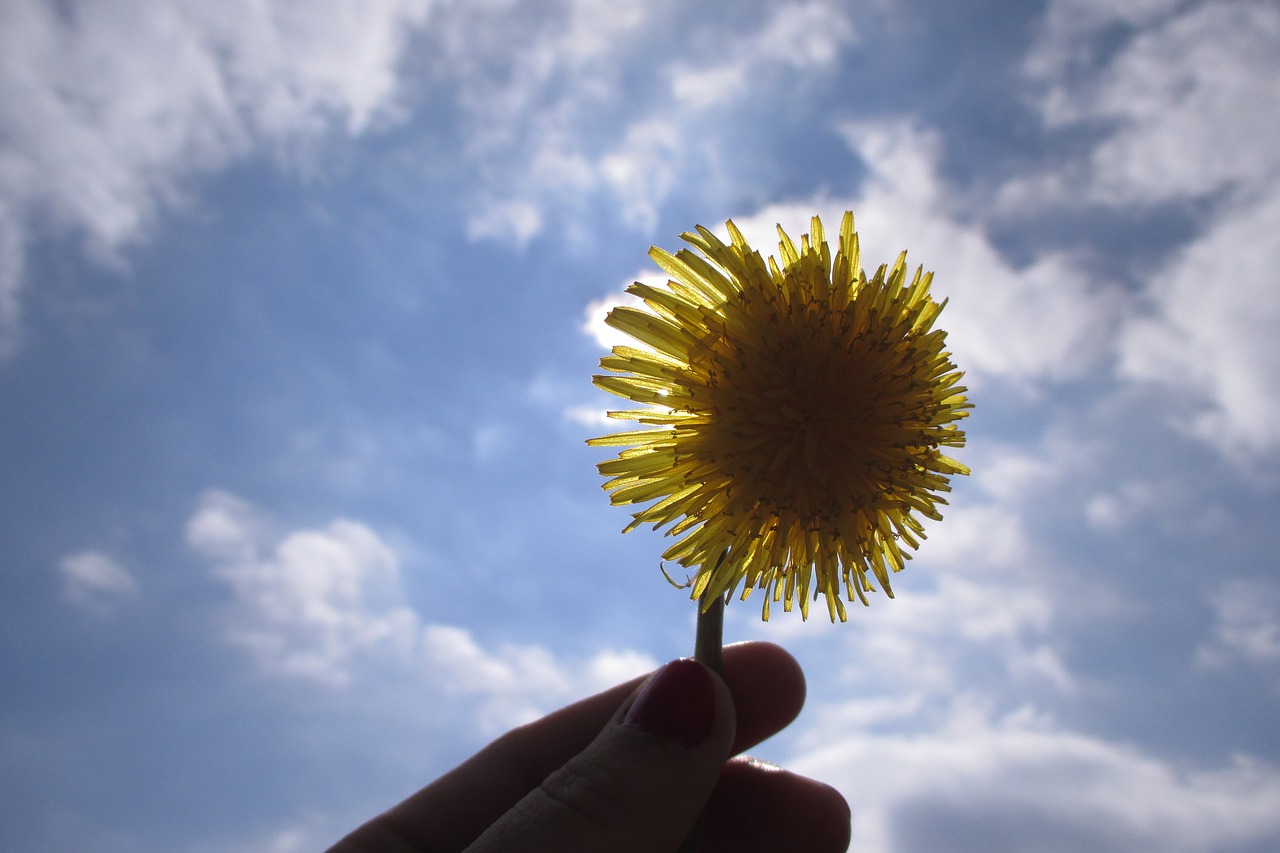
630, 770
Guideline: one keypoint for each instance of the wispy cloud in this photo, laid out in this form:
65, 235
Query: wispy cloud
547, 130
1185, 121
95, 582
806, 36
1246, 627
1186, 117
1208, 339
109, 109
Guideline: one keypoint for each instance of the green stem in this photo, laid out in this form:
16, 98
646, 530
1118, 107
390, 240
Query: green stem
708, 642
708, 650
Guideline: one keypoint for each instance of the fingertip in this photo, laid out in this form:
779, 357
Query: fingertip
679, 702
757, 806
768, 687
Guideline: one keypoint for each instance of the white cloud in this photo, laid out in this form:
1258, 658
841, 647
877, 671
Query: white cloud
1008, 473
226, 529
929, 644
1044, 321
310, 602
99, 145
1186, 122
642, 170
1047, 320
1191, 115
326, 605
1209, 338
977, 596
806, 36
532, 81
701, 88
519, 683
1069, 27
95, 582
107, 107
1185, 96
967, 778
988, 538
1115, 510
589, 416
520, 220
1246, 625
540, 104
595, 26
594, 323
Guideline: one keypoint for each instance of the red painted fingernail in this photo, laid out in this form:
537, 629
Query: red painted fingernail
678, 703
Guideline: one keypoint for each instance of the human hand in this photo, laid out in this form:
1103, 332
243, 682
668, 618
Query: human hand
631, 769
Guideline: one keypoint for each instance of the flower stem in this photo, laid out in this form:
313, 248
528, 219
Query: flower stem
709, 639
708, 642
708, 650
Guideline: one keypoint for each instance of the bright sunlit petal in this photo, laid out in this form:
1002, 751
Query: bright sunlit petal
804, 408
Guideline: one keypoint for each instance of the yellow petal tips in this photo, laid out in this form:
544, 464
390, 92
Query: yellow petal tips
797, 415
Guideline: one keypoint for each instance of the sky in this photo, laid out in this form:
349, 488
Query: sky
299, 308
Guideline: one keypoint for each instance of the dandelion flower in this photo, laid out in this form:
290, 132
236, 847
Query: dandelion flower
795, 415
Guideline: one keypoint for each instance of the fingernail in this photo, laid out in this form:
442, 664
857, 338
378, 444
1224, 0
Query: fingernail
678, 703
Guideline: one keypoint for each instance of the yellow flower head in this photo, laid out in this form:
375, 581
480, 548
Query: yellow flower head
795, 416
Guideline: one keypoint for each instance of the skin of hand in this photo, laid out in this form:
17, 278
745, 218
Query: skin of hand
630, 770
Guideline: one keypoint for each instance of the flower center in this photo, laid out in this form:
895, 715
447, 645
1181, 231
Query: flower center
807, 411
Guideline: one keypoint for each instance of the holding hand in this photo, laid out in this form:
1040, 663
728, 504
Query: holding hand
631, 769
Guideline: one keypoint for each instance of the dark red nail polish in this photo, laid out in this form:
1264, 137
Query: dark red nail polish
678, 703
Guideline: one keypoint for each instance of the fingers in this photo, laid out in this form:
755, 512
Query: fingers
641, 784
629, 793
768, 689
450, 813
759, 807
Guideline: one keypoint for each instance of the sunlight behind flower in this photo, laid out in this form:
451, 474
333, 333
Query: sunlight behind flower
796, 415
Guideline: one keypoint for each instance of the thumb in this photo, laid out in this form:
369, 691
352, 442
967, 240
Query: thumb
641, 784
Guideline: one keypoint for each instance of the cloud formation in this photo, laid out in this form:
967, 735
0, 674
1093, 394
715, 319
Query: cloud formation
1187, 121
311, 601
975, 780
1046, 320
109, 109
1186, 115
327, 605
1208, 338
1246, 627
554, 124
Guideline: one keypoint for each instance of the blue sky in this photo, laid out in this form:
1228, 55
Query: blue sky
298, 312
